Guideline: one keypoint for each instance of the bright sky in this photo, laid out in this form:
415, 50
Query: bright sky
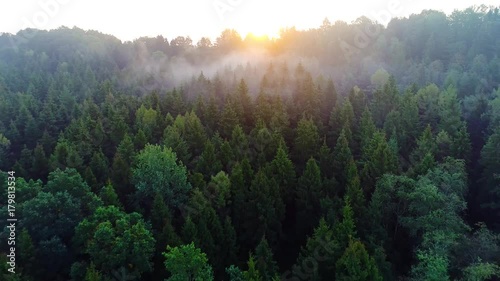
130, 19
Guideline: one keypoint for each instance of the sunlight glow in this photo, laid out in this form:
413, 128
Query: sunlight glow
199, 18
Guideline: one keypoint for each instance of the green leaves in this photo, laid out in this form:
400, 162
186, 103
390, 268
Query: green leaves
432, 206
490, 190
356, 265
156, 171
431, 267
481, 271
114, 239
187, 263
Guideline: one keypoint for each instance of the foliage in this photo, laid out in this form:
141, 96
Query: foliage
187, 263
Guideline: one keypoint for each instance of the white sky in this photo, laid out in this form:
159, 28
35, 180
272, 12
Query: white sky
130, 19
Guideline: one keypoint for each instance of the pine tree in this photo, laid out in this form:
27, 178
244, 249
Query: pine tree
245, 103
121, 174
322, 245
443, 145
109, 197
32, 132
218, 192
328, 100
355, 194
163, 232
140, 140
279, 120
194, 133
4, 148
212, 115
348, 121
262, 142
342, 159
335, 126
216, 233
380, 160
410, 123
264, 261
235, 273
239, 189
490, 189
226, 156
345, 230
283, 172
366, 131
356, 264
264, 110
386, 99
90, 179
307, 142
25, 163
325, 160
230, 246
27, 252
269, 208
252, 274
450, 112
99, 165
189, 232
172, 138
200, 108
65, 156
308, 196
126, 149
425, 144
461, 146
358, 101
208, 164
239, 143
229, 119
40, 166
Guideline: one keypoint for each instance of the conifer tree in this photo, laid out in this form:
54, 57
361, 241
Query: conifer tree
308, 197
307, 142
264, 261
208, 164
357, 264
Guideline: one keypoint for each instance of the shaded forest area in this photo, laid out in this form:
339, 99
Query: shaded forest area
308, 157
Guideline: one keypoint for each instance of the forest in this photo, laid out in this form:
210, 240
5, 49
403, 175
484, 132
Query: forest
350, 151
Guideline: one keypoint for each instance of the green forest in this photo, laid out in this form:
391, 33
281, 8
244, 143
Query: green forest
345, 152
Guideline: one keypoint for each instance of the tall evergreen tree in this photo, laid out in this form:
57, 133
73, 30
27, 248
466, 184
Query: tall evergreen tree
208, 164
356, 264
308, 197
307, 141
264, 261
342, 159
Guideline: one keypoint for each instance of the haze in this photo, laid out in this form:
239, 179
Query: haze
129, 20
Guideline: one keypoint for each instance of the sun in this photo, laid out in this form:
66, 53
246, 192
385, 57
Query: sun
256, 37
259, 32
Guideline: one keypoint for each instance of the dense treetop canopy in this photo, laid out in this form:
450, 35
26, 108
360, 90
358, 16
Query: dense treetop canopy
308, 157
